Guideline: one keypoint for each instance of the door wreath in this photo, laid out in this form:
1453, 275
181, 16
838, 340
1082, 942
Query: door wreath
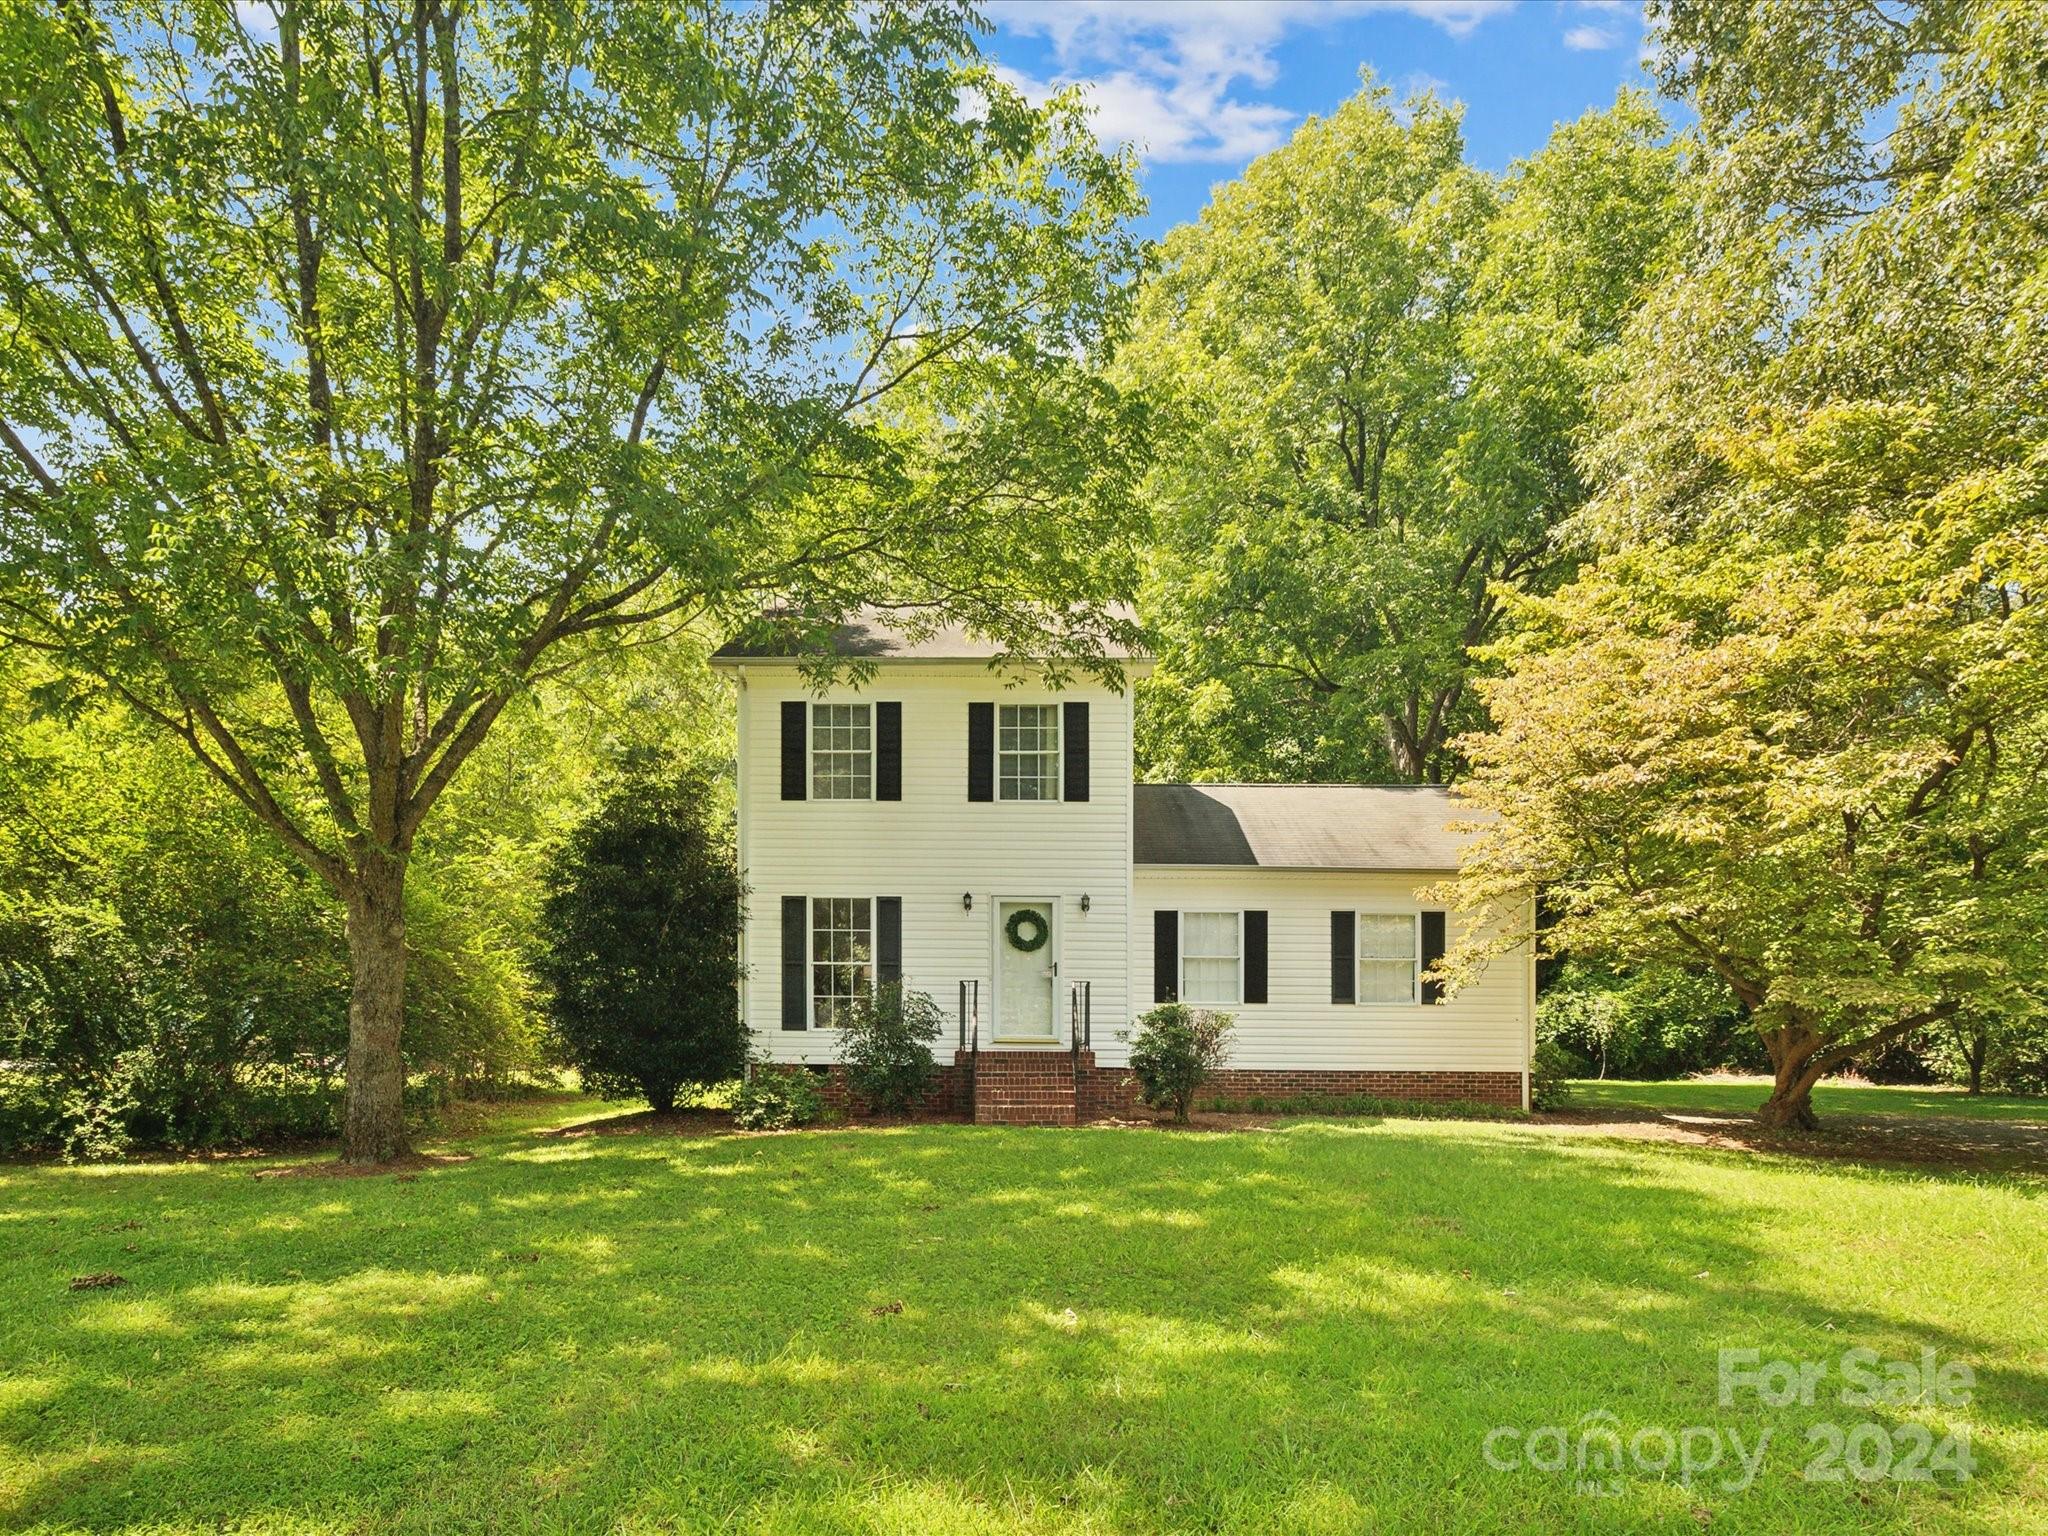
1028, 929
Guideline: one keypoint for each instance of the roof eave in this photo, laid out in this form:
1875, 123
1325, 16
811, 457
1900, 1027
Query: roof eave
1139, 665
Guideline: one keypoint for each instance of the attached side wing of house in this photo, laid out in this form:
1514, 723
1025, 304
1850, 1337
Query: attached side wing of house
977, 835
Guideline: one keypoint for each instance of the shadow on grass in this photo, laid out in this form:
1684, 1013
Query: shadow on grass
1307, 1329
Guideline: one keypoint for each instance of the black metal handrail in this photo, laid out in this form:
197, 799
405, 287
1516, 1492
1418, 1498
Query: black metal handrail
970, 1011
1081, 1016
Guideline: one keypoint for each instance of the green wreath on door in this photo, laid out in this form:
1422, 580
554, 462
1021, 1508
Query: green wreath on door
1028, 929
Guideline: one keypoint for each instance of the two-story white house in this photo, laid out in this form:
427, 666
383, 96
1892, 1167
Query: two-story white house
970, 832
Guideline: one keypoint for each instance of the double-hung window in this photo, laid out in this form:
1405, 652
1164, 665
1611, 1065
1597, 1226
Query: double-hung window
842, 752
842, 955
1389, 957
1028, 752
1211, 957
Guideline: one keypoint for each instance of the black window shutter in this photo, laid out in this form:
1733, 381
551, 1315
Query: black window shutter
796, 936
795, 759
888, 939
1165, 957
888, 751
1255, 957
1343, 957
981, 751
1432, 951
1074, 744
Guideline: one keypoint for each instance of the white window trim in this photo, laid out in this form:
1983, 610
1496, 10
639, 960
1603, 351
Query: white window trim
1358, 959
1181, 979
1059, 751
811, 752
811, 956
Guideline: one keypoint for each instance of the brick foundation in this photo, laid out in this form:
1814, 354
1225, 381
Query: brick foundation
1059, 1087
1113, 1090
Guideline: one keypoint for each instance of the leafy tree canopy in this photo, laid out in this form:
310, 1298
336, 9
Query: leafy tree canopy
1373, 360
367, 364
1792, 726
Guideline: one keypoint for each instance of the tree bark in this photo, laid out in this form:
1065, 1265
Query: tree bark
374, 1131
1979, 1041
1796, 1066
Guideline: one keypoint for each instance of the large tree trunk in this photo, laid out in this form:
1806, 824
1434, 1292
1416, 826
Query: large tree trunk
375, 1127
1980, 1041
1795, 1052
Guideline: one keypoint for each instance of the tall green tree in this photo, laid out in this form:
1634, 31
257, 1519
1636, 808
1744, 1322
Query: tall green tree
1792, 726
367, 363
1373, 359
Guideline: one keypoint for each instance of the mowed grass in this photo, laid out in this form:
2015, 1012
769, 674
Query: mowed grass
1739, 1096
1302, 1329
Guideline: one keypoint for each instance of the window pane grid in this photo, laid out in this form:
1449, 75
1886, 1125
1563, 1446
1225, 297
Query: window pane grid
842, 939
1028, 751
842, 752
1387, 948
1208, 957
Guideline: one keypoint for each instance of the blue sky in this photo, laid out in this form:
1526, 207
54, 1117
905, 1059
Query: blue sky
1202, 87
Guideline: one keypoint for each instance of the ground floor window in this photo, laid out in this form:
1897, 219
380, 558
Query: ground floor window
1389, 956
842, 952
1210, 954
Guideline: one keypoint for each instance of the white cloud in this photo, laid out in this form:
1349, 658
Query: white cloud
257, 19
1168, 75
1588, 39
1169, 120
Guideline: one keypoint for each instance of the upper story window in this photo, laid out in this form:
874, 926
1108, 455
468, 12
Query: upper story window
842, 942
842, 752
1028, 752
1389, 956
1210, 955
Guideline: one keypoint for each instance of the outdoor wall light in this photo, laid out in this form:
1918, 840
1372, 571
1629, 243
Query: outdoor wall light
1084, 903
967, 902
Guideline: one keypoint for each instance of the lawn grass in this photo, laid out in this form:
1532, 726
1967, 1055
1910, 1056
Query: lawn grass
1301, 1329
1742, 1096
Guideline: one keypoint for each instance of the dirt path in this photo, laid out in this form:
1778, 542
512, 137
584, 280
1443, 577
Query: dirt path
1992, 1146
1929, 1141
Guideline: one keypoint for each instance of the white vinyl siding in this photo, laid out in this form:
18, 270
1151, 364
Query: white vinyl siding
842, 752
933, 847
1028, 752
1482, 1027
1389, 957
842, 950
1211, 957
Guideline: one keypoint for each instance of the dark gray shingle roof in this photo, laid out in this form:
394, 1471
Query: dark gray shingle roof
1300, 826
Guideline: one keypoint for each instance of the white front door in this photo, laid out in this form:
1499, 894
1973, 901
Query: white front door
1027, 954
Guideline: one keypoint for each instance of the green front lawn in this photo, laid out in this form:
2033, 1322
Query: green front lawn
1743, 1096
954, 1329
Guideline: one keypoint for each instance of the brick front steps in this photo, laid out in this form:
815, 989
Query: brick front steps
1024, 1087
